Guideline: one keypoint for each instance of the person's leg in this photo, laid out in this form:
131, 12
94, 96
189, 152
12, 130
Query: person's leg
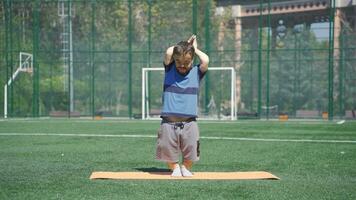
168, 148
188, 164
186, 167
175, 168
171, 165
190, 147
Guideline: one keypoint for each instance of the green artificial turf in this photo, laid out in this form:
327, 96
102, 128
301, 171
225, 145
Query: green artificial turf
58, 167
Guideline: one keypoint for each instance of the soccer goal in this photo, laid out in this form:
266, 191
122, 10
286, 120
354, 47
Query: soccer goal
25, 65
218, 103
269, 111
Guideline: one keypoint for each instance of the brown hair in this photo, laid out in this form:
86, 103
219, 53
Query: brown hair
183, 48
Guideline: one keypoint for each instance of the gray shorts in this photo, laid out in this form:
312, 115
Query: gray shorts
175, 138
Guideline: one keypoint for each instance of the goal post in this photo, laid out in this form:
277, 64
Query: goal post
25, 65
223, 108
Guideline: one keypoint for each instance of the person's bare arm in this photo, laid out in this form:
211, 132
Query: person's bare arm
204, 59
168, 56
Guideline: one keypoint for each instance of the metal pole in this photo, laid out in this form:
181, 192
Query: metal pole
149, 52
5, 101
35, 101
67, 52
130, 60
7, 33
251, 77
331, 60
259, 103
92, 57
70, 63
11, 63
207, 49
299, 66
51, 88
143, 94
268, 57
233, 94
295, 73
149, 32
341, 77
195, 18
111, 84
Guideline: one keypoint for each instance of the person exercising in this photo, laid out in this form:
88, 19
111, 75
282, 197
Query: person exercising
179, 132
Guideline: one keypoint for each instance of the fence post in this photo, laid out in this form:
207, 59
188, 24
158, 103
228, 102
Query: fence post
149, 51
331, 60
92, 57
207, 49
268, 57
36, 70
259, 103
7, 54
130, 59
195, 18
341, 77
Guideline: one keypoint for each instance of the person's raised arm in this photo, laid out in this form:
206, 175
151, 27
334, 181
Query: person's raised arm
168, 59
204, 59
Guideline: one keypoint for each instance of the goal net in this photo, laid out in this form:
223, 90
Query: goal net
217, 99
269, 111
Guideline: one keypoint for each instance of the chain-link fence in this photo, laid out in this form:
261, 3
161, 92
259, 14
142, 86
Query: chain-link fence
294, 58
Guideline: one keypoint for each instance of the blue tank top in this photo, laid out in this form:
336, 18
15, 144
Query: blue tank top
180, 92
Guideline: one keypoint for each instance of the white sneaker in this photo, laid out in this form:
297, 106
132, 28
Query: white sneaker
185, 171
176, 172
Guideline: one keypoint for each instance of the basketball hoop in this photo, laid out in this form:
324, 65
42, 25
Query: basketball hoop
25, 65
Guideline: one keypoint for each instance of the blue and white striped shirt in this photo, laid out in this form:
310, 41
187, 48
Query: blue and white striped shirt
180, 92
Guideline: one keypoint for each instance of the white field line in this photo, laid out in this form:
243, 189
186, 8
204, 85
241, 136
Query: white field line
201, 121
203, 137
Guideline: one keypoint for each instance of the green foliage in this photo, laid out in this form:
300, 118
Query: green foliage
298, 62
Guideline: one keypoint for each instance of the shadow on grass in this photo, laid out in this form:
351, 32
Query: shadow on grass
155, 170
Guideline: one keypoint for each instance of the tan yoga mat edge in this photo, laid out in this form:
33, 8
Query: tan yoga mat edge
252, 175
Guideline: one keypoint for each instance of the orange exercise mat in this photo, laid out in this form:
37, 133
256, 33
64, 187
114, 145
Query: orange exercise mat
197, 175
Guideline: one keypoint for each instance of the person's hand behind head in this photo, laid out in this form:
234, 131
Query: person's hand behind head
193, 41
